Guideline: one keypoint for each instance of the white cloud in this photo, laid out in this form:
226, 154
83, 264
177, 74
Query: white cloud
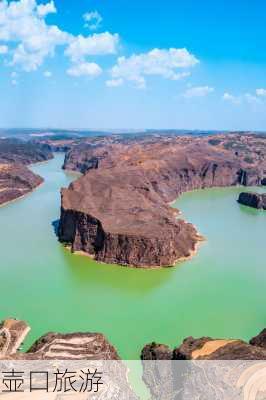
14, 74
161, 62
231, 98
22, 23
96, 44
250, 98
246, 98
198, 91
45, 9
93, 20
14, 82
3, 49
47, 74
85, 69
261, 92
114, 82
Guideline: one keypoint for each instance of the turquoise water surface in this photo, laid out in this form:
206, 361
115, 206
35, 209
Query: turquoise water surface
219, 293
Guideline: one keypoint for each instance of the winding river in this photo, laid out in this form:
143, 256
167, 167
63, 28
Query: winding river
219, 293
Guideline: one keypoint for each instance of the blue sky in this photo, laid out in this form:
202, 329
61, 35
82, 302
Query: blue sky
133, 64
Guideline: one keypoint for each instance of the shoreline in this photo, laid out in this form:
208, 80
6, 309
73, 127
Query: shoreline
193, 252
35, 188
22, 196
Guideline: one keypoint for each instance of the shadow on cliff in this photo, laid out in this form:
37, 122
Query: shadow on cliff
55, 225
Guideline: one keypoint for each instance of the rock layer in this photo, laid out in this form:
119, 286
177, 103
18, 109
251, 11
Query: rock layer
119, 212
53, 346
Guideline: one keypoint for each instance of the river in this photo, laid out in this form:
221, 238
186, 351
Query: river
219, 293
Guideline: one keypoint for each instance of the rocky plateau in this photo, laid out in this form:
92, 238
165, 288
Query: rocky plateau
119, 210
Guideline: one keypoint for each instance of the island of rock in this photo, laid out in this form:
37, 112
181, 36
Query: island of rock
16, 180
253, 200
119, 211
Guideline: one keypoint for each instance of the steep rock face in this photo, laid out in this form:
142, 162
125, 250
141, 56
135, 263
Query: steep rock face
118, 211
118, 217
16, 181
209, 349
253, 200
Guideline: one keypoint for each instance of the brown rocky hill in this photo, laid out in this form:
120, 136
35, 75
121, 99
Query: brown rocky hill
18, 151
16, 179
119, 212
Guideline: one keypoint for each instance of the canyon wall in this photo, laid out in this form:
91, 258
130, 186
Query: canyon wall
119, 212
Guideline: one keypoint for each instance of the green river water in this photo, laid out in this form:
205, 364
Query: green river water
219, 293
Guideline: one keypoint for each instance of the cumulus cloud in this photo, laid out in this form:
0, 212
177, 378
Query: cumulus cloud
92, 20
3, 49
161, 62
96, 44
198, 91
85, 69
261, 92
23, 24
45, 9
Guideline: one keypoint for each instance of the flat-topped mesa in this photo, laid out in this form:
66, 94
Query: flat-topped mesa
206, 348
253, 200
119, 212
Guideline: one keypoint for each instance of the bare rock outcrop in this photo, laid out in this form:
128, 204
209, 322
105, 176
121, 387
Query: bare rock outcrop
16, 180
53, 346
21, 152
253, 200
207, 348
119, 212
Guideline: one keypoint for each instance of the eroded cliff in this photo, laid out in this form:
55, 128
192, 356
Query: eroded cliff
119, 212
